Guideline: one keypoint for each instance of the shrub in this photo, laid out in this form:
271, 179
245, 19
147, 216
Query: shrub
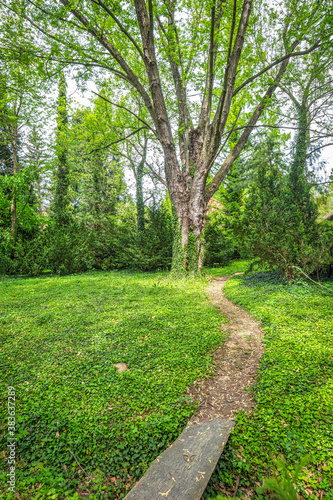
82, 245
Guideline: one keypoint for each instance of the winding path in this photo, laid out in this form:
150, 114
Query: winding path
184, 468
236, 361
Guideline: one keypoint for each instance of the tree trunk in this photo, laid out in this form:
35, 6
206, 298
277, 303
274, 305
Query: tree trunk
192, 241
138, 173
140, 208
189, 220
13, 215
188, 248
61, 199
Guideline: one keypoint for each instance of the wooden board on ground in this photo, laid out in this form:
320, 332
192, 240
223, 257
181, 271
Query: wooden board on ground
183, 470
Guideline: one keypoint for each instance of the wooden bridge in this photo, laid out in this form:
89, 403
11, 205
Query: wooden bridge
183, 470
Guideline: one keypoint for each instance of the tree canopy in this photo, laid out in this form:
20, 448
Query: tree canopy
201, 69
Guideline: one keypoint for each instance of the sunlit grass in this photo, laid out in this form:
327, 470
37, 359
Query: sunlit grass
234, 266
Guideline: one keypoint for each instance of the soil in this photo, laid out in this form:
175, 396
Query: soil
228, 391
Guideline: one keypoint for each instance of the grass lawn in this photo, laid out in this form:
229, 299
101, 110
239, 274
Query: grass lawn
60, 337
294, 391
234, 266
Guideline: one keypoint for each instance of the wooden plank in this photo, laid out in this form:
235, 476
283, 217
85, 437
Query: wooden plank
183, 470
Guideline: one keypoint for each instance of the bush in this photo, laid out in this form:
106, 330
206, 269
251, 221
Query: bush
279, 223
112, 243
221, 245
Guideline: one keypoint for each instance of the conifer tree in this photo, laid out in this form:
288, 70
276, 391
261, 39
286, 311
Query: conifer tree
61, 202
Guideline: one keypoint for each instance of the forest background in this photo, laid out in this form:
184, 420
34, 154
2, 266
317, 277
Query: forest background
65, 206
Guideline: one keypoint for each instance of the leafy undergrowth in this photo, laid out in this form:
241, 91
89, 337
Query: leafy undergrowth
294, 390
60, 337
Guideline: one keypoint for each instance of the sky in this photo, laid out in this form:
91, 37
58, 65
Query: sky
327, 155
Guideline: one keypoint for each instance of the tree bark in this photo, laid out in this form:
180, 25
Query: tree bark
190, 207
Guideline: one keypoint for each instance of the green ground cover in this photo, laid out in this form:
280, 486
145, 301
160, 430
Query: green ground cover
60, 337
294, 391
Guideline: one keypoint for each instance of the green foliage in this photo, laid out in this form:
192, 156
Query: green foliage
26, 201
153, 249
27, 256
293, 392
221, 243
279, 220
61, 202
94, 224
223, 231
284, 481
87, 244
69, 396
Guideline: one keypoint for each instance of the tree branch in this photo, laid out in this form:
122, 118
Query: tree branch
131, 76
213, 46
26, 203
158, 177
121, 27
212, 187
318, 148
275, 63
290, 95
232, 30
185, 120
191, 51
62, 42
224, 104
162, 122
233, 129
68, 21
128, 110
114, 142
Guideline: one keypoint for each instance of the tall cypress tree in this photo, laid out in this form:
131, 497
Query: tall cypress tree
61, 202
301, 210
279, 221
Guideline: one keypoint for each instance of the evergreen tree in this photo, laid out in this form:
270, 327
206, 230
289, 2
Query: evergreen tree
61, 203
279, 222
300, 209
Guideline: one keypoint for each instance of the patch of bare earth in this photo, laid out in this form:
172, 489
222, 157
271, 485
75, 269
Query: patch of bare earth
236, 362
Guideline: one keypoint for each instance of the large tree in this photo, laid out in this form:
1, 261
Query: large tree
233, 54
310, 94
61, 202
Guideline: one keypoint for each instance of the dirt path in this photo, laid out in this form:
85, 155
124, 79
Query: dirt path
236, 361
